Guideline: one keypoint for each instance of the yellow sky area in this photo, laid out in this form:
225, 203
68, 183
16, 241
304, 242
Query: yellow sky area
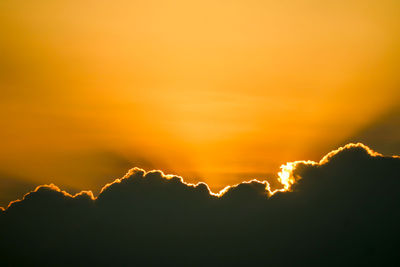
217, 91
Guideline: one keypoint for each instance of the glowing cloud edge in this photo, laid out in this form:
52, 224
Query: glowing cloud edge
285, 177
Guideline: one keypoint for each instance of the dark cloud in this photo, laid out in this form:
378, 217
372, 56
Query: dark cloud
343, 210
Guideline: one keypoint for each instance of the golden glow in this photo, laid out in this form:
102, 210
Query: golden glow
215, 91
285, 176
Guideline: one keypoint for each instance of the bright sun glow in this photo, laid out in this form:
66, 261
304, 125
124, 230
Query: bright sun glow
213, 91
286, 175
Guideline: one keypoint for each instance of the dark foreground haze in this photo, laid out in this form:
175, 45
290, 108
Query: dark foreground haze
341, 211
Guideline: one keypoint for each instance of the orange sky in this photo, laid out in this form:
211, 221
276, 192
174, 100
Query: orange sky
215, 91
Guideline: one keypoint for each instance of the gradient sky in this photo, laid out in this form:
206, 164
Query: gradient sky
215, 91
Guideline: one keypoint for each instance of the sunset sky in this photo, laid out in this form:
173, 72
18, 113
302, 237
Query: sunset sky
214, 91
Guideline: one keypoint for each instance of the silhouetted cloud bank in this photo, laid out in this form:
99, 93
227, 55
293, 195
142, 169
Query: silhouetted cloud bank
343, 210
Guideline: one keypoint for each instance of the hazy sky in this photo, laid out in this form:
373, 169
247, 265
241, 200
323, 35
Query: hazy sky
215, 91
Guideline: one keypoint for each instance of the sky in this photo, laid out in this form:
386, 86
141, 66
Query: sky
214, 91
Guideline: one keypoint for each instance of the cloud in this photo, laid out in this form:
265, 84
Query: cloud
341, 210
